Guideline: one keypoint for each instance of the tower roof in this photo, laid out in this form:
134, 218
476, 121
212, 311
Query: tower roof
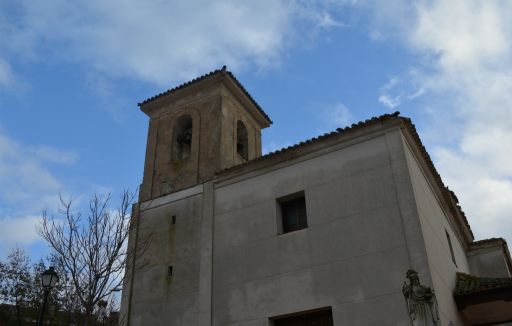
223, 72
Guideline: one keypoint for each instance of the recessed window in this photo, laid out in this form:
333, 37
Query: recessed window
182, 138
292, 211
451, 247
169, 270
242, 147
320, 318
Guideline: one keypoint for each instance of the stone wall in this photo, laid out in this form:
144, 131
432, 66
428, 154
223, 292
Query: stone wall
157, 295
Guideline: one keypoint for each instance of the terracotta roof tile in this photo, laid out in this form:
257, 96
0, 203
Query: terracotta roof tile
223, 70
469, 284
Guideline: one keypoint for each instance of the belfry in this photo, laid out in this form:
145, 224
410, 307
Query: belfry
197, 129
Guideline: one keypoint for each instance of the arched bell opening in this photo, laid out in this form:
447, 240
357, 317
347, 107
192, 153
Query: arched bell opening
182, 138
242, 146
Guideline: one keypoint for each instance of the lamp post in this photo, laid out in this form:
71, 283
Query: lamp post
48, 280
102, 313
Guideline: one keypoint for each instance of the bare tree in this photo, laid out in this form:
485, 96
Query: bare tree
92, 250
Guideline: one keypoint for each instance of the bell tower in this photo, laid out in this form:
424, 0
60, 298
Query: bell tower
196, 129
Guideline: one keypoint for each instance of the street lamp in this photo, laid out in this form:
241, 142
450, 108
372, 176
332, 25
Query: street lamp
102, 313
48, 280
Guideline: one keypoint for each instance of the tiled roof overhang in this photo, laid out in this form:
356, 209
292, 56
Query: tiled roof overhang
219, 72
473, 290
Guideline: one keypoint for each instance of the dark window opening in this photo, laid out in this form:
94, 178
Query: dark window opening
293, 212
317, 318
173, 219
169, 270
242, 147
182, 143
451, 247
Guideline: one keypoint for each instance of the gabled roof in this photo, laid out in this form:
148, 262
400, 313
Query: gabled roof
294, 150
222, 71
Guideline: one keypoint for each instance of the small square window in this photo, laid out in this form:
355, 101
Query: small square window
293, 212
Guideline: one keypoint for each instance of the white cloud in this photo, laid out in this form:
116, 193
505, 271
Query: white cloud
463, 33
325, 20
28, 187
336, 116
472, 43
51, 154
156, 41
484, 195
6, 76
18, 231
23, 175
390, 102
465, 66
400, 89
160, 41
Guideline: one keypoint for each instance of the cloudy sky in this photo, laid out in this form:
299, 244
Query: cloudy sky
71, 73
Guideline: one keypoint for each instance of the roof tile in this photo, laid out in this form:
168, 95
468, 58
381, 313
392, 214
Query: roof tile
469, 284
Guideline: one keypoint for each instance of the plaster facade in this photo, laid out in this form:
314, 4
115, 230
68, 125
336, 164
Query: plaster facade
488, 259
435, 224
218, 255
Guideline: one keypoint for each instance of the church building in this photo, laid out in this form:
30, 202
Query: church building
354, 227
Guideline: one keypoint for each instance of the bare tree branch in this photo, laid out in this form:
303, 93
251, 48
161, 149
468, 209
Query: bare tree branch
92, 251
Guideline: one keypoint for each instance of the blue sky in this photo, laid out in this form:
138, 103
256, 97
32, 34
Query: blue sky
72, 73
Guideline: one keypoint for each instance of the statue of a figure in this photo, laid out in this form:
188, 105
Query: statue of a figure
421, 301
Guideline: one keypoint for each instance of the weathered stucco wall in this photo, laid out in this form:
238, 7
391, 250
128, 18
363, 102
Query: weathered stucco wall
435, 224
158, 298
353, 255
164, 173
488, 261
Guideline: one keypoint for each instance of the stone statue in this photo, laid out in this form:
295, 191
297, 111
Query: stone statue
421, 302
